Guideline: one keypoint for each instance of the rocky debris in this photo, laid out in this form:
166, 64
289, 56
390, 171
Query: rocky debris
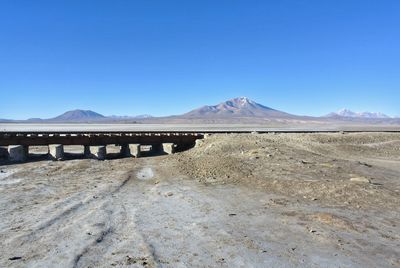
360, 179
15, 258
364, 164
143, 261
312, 231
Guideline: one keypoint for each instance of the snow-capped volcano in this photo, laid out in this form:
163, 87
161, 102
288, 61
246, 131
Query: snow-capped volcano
237, 107
349, 113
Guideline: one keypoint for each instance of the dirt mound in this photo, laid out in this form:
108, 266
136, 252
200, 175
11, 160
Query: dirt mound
306, 166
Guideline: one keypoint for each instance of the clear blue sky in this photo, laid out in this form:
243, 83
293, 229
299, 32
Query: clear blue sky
167, 57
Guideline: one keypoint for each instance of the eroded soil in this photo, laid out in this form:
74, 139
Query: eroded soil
284, 200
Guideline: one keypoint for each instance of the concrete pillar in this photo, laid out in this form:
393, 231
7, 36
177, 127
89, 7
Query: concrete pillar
134, 150
130, 150
99, 152
56, 151
18, 153
168, 148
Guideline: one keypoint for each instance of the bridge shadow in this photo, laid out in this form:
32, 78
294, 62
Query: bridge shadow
146, 151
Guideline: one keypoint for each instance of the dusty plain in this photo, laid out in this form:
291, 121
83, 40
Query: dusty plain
234, 200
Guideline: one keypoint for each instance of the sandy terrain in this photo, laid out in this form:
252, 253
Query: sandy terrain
238, 200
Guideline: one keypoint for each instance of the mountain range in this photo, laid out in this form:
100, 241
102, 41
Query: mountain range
82, 116
240, 109
349, 113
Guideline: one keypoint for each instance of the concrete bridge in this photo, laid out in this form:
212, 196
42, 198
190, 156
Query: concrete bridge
15, 144
15, 139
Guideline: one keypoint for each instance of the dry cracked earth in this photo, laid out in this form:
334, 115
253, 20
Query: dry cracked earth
256, 200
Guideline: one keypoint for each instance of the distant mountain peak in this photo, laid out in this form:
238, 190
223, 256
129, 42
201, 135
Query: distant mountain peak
240, 102
78, 115
236, 107
243, 100
344, 110
349, 113
142, 116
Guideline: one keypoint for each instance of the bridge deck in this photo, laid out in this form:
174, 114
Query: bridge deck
28, 139
183, 128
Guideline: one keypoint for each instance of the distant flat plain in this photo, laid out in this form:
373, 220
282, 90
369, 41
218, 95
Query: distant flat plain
89, 127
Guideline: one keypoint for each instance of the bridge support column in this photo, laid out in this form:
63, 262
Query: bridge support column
99, 152
18, 153
168, 148
130, 150
56, 151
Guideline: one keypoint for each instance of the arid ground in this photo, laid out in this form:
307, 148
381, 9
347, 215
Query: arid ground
238, 200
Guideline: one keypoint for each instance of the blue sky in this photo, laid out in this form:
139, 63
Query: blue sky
167, 57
